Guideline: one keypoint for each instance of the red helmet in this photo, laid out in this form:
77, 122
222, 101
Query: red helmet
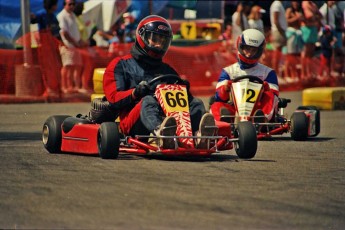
253, 38
154, 35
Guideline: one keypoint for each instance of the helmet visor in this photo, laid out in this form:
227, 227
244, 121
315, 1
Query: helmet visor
157, 41
249, 51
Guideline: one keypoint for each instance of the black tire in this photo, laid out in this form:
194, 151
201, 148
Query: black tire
317, 118
51, 133
299, 126
247, 140
108, 140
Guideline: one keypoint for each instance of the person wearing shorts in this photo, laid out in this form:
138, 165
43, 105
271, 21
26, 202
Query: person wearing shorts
278, 27
294, 45
70, 56
309, 28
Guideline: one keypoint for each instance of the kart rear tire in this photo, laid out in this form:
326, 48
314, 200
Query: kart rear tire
317, 118
108, 140
299, 126
247, 140
51, 133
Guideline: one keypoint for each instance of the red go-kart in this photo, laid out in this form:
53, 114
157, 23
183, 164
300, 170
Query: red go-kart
246, 92
62, 133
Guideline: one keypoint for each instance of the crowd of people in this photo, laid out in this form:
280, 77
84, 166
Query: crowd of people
76, 37
298, 33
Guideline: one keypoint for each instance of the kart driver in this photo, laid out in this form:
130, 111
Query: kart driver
125, 84
250, 46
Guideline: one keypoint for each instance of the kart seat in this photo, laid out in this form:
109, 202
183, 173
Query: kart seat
70, 122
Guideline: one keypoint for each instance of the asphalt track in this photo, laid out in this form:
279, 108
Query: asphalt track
288, 185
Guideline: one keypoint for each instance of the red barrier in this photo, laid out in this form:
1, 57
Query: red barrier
201, 65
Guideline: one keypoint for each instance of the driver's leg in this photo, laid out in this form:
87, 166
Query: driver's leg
151, 115
269, 105
221, 111
197, 110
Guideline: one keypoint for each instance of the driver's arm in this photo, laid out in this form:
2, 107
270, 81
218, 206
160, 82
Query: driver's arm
114, 85
223, 87
272, 80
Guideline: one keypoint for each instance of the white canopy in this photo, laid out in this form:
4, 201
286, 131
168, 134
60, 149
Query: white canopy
104, 13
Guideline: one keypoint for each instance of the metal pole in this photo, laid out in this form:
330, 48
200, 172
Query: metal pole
25, 16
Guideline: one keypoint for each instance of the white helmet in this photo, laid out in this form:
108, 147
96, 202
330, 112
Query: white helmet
254, 38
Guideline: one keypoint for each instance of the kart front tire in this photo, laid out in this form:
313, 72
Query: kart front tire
108, 140
247, 140
51, 133
299, 126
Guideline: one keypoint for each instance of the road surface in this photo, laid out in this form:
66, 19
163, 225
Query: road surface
288, 185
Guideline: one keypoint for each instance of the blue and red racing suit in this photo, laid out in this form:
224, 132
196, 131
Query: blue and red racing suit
269, 100
121, 77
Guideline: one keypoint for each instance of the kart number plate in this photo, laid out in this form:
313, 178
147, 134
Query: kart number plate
175, 100
250, 95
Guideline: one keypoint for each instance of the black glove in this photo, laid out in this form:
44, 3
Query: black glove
186, 83
141, 90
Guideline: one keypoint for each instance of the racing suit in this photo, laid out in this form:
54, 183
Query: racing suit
269, 100
141, 116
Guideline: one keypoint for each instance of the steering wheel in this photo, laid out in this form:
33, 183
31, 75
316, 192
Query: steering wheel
165, 78
250, 77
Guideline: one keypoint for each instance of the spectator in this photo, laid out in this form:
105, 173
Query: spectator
88, 53
226, 36
294, 44
327, 41
328, 17
70, 56
339, 56
278, 28
47, 20
129, 27
226, 49
239, 20
83, 28
309, 28
116, 34
48, 41
339, 24
254, 18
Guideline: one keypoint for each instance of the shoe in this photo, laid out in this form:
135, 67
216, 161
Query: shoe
167, 128
207, 127
259, 116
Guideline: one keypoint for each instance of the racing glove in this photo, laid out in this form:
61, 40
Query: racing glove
141, 90
224, 89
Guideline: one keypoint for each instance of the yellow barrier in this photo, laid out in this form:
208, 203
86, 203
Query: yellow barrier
327, 98
98, 80
98, 83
